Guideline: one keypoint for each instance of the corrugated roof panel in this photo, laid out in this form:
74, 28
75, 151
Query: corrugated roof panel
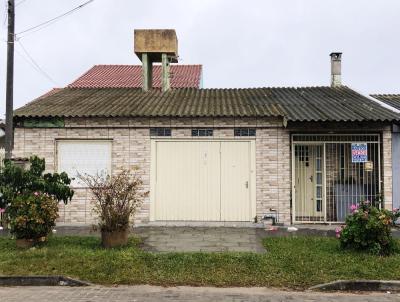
295, 104
390, 99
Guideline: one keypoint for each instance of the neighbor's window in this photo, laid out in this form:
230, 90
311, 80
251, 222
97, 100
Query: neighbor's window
202, 132
245, 132
160, 131
84, 157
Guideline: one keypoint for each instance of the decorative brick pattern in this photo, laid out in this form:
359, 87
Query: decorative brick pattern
273, 180
387, 168
131, 147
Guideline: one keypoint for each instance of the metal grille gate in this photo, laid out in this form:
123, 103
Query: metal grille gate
327, 179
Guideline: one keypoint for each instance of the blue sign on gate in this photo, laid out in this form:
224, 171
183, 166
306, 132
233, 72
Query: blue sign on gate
359, 153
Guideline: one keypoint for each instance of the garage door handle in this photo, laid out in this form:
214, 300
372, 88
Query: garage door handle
247, 184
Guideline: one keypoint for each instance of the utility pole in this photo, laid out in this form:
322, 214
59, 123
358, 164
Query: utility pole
10, 79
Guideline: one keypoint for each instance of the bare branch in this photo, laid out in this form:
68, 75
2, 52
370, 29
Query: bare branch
117, 197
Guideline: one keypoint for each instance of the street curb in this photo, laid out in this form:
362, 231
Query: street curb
359, 285
40, 281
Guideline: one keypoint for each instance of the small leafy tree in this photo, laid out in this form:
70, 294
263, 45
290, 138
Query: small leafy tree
369, 229
15, 180
117, 198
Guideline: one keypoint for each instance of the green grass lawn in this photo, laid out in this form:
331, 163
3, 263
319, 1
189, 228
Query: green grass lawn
290, 262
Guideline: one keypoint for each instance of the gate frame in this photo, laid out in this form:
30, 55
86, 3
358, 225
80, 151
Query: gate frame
293, 144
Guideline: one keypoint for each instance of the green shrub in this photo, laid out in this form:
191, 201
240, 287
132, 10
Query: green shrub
15, 180
369, 229
32, 216
29, 198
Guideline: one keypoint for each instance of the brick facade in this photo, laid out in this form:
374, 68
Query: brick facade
387, 186
131, 147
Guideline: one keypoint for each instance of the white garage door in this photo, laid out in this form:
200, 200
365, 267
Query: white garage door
202, 180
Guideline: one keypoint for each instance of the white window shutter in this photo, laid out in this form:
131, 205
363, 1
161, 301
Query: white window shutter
84, 157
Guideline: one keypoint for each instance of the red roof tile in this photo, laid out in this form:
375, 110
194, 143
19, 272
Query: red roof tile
130, 76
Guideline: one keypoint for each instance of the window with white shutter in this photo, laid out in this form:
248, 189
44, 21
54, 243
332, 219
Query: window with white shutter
84, 157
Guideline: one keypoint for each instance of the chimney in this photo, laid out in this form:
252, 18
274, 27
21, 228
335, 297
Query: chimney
156, 46
336, 69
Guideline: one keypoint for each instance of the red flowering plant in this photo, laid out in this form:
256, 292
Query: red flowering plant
369, 228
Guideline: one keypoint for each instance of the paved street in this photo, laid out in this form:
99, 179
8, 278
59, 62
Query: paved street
152, 293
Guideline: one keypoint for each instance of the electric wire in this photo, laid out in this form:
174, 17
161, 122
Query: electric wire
33, 63
20, 2
42, 25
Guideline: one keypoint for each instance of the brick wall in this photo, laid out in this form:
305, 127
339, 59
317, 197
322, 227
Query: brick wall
131, 147
387, 168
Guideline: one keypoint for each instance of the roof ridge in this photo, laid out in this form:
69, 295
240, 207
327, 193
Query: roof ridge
219, 89
123, 65
385, 94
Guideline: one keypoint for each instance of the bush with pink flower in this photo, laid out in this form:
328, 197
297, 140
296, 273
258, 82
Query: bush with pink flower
30, 197
369, 228
32, 216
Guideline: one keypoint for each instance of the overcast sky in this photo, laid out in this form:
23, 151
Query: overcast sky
240, 43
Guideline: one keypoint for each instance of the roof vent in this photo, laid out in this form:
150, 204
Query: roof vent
336, 69
156, 46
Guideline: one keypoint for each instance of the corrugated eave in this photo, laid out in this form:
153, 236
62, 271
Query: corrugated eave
305, 104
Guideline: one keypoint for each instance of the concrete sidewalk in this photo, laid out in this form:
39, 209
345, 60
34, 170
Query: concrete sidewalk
145, 293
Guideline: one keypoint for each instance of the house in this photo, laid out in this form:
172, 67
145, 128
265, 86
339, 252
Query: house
130, 76
301, 155
393, 100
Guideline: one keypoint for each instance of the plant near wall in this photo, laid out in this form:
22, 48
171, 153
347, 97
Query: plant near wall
30, 199
368, 228
116, 199
15, 180
32, 216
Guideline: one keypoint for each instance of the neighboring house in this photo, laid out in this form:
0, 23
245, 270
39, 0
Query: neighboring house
299, 154
131, 76
393, 100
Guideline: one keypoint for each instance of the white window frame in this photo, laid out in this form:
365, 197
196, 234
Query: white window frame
57, 160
